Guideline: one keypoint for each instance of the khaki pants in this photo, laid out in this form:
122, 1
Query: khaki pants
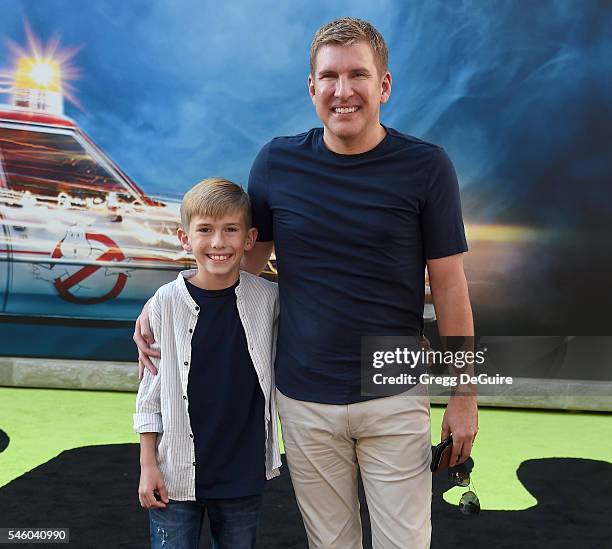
389, 440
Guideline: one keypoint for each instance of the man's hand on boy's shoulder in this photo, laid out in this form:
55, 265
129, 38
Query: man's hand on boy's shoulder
143, 337
151, 481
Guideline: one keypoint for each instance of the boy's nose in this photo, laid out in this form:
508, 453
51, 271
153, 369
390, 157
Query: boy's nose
217, 241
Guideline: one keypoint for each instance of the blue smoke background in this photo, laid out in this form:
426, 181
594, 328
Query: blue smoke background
519, 94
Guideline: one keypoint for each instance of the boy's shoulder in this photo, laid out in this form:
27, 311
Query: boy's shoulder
256, 283
167, 293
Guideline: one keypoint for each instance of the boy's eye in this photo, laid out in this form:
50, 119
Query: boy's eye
204, 230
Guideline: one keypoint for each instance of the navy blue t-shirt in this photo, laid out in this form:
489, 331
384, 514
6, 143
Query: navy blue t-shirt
351, 234
226, 403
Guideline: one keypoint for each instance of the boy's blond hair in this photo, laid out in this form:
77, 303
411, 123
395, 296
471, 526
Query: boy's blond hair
215, 197
345, 32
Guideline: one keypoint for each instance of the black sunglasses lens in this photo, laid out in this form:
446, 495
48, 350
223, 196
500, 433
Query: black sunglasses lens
469, 504
460, 478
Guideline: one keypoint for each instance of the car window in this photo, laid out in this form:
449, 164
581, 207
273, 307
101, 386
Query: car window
49, 164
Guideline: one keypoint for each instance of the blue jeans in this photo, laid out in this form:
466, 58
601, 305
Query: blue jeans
233, 523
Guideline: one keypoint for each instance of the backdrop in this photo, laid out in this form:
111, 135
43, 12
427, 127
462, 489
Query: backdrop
518, 94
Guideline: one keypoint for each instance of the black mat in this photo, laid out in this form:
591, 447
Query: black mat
4, 440
93, 491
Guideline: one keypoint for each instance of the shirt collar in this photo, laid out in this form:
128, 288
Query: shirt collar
186, 296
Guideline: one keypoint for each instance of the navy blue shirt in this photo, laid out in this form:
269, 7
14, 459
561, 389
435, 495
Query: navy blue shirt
226, 403
352, 234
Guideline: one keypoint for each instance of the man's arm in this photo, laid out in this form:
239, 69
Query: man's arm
143, 337
449, 291
254, 261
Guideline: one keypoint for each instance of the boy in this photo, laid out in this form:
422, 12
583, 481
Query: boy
207, 421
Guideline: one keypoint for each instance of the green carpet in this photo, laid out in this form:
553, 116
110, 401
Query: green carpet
42, 423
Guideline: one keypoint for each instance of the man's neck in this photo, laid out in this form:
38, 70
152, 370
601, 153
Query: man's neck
360, 144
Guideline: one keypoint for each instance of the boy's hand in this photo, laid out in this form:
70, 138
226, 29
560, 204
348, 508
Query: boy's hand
151, 481
143, 337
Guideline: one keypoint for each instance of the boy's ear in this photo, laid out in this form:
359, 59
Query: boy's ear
250, 239
183, 239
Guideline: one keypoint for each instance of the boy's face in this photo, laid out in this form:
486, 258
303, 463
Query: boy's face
218, 244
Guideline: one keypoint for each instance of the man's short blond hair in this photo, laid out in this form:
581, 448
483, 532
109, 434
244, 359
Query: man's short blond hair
215, 197
345, 32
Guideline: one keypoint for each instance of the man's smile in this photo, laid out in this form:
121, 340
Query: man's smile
345, 110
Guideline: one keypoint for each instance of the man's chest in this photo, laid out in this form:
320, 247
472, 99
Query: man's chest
354, 211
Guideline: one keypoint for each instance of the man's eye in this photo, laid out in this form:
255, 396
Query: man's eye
204, 230
232, 229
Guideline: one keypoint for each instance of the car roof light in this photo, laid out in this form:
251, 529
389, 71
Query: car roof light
38, 85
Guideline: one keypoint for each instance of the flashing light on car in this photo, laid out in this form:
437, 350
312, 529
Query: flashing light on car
38, 85
45, 73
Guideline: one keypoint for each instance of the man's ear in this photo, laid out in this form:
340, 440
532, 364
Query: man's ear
311, 88
250, 239
386, 88
183, 239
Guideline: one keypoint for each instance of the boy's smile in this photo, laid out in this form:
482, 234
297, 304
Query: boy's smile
218, 244
219, 258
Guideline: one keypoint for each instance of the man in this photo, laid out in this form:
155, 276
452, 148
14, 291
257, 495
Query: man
355, 211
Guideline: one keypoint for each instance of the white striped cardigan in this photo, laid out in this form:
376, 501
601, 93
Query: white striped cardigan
162, 404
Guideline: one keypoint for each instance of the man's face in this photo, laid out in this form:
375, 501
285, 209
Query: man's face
347, 91
218, 244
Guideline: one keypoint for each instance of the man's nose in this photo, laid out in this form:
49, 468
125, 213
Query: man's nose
343, 88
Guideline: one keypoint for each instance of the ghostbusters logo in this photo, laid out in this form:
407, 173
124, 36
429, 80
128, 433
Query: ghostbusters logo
87, 284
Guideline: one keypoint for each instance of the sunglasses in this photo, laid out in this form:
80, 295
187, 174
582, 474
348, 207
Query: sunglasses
468, 504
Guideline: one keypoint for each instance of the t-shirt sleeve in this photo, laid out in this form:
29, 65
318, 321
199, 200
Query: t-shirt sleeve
441, 219
258, 190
